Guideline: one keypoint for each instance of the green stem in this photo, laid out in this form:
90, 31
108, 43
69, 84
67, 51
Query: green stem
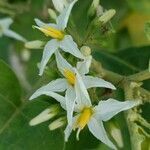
141, 76
108, 75
117, 79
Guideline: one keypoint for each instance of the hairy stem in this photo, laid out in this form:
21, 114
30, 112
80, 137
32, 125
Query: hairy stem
131, 117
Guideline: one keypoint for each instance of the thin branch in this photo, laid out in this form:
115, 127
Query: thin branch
141, 76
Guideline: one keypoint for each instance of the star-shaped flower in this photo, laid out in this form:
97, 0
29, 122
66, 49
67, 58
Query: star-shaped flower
87, 114
4, 30
60, 39
93, 116
69, 82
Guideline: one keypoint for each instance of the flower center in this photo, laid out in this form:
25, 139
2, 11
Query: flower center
84, 117
52, 32
83, 120
70, 76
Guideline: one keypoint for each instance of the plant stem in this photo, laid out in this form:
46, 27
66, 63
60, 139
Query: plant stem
117, 79
131, 117
141, 76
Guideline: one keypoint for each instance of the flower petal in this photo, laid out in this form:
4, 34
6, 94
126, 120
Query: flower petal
58, 85
5, 23
49, 49
62, 63
83, 66
57, 97
82, 95
90, 81
68, 45
70, 103
97, 129
62, 19
54, 95
42, 24
109, 108
69, 128
67, 132
14, 35
59, 4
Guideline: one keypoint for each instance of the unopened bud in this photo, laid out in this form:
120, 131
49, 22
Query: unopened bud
25, 54
86, 51
34, 44
52, 14
45, 115
99, 10
57, 123
116, 134
93, 8
107, 16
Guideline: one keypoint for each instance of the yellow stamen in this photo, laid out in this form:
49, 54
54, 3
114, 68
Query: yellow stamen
70, 76
84, 118
49, 31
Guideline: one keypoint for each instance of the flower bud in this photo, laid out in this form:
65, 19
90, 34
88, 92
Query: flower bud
25, 54
86, 51
57, 123
34, 44
45, 115
93, 7
52, 14
99, 10
107, 16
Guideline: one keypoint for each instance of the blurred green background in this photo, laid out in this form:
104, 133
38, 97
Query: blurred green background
125, 51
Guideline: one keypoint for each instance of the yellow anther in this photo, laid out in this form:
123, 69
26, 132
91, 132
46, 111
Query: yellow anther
52, 32
70, 76
84, 118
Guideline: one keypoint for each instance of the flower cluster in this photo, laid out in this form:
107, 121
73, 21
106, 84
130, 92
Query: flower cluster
75, 83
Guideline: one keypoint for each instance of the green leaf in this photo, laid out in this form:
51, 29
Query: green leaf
15, 132
9, 84
125, 62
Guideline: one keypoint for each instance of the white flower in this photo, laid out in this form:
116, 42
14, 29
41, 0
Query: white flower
92, 116
69, 83
60, 5
4, 30
60, 40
